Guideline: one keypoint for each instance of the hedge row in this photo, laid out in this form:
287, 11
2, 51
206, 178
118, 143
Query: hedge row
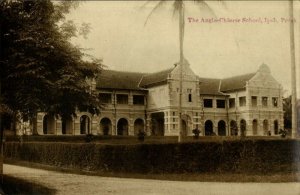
123, 139
243, 156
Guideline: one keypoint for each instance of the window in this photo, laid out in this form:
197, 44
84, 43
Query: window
220, 103
189, 91
254, 101
122, 99
231, 102
275, 101
242, 101
264, 101
208, 103
105, 98
138, 100
190, 98
173, 113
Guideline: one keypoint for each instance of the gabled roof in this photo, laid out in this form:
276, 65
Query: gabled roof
110, 79
155, 78
235, 83
210, 86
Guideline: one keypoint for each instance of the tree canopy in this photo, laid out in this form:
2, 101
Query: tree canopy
40, 69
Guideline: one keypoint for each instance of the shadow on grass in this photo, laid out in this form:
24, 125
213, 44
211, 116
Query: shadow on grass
12, 185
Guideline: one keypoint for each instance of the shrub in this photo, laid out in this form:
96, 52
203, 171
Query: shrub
141, 136
196, 133
237, 156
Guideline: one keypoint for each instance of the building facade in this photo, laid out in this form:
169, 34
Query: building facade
249, 105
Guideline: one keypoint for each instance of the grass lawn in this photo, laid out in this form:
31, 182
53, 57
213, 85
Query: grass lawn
211, 177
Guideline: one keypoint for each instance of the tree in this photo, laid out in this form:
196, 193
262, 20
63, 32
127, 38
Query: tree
179, 8
40, 69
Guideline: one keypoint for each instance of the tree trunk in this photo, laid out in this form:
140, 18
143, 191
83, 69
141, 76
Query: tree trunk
293, 71
181, 36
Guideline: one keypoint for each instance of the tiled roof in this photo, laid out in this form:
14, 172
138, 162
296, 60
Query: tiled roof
235, 83
155, 78
110, 79
209, 86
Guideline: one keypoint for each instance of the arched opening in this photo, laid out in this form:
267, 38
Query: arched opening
254, 126
276, 127
66, 125
222, 128
243, 127
105, 126
184, 128
208, 128
185, 124
122, 127
48, 124
233, 128
265, 126
158, 124
84, 124
138, 126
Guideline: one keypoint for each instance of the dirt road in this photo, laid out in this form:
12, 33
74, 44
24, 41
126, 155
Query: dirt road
82, 184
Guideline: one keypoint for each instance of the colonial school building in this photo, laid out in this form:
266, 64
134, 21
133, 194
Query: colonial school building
249, 105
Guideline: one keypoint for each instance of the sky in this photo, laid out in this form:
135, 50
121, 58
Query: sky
242, 36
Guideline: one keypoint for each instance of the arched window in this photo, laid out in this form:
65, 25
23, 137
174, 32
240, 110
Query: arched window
105, 126
209, 128
122, 127
222, 128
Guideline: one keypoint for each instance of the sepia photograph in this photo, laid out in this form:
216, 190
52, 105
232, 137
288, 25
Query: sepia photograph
150, 97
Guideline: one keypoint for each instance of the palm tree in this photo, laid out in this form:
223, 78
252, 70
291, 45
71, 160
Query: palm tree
179, 8
293, 70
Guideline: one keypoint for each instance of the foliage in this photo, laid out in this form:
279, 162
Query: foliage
89, 138
239, 156
141, 136
40, 69
283, 133
196, 133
